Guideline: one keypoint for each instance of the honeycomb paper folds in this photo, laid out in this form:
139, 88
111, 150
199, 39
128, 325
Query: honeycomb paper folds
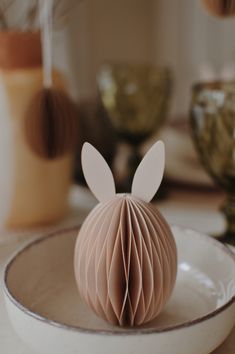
125, 256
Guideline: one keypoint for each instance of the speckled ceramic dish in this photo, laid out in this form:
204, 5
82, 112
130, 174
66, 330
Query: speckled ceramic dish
48, 314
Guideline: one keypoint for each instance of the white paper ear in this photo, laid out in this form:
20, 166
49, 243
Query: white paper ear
149, 174
97, 173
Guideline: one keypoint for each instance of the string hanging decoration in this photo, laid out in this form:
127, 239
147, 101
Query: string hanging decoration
51, 119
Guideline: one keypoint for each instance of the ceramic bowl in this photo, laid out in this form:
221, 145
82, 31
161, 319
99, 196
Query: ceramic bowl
47, 313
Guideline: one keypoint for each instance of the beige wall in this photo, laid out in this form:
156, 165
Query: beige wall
194, 43
175, 32
109, 30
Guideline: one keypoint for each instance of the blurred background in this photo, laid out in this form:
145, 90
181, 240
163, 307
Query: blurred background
181, 34
129, 67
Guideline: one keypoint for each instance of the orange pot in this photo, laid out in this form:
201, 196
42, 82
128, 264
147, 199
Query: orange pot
20, 50
33, 191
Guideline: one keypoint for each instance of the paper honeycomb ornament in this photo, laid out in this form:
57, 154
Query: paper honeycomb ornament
221, 8
51, 124
125, 254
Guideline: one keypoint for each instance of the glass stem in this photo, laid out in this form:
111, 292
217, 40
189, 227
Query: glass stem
134, 161
229, 212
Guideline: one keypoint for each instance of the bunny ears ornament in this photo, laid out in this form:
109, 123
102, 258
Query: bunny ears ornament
125, 256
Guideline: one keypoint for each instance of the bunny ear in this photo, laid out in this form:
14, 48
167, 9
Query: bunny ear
97, 173
149, 173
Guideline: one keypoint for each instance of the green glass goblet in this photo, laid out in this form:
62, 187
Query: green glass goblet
213, 128
136, 98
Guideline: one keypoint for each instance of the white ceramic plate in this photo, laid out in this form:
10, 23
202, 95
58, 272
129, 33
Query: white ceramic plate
46, 311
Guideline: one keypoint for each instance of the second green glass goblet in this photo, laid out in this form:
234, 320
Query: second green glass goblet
213, 127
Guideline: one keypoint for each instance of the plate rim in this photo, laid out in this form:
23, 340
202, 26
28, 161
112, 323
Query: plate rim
111, 332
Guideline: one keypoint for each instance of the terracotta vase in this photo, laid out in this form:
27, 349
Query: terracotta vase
33, 191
